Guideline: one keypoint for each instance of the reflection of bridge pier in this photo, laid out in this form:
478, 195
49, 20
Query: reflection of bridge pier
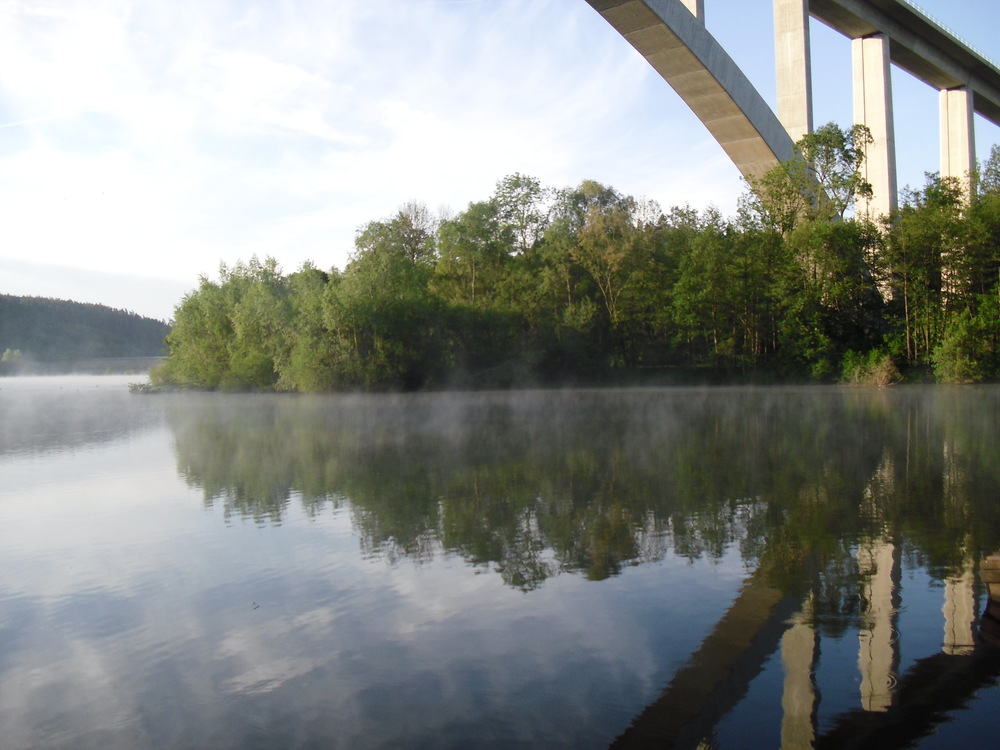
799, 700
878, 653
959, 611
936, 685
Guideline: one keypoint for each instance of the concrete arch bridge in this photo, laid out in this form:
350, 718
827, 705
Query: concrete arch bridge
672, 36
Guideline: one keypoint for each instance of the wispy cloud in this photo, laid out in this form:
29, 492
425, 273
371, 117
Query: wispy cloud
164, 136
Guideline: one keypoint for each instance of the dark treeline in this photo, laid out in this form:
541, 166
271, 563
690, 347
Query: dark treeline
585, 284
39, 329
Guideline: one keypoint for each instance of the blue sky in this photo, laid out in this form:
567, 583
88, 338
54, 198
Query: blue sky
143, 142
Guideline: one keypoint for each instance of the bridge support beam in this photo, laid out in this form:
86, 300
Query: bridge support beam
873, 108
794, 66
958, 150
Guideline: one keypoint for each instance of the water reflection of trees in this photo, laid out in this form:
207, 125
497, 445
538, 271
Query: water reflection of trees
537, 483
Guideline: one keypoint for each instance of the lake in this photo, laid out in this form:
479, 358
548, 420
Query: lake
689, 567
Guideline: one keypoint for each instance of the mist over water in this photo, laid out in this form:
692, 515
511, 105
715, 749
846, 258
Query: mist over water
537, 569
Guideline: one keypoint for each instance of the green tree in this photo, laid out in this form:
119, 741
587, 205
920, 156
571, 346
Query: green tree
311, 361
969, 348
833, 158
702, 300
821, 181
200, 338
410, 233
607, 250
837, 277
474, 248
920, 238
385, 319
231, 334
261, 320
520, 203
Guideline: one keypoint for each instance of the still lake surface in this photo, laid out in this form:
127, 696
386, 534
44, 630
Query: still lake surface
718, 568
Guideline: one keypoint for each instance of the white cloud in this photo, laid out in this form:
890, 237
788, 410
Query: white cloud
157, 138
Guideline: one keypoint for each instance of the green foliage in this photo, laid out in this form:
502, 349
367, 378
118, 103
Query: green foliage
474, 248
587, 285
409, 234
833, 158
231, 334
925, 237
989, 175
821, 182
385, 320
52, 330
520, 202
967, 351
876, 367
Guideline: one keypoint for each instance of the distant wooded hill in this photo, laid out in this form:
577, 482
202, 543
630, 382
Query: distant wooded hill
55, 330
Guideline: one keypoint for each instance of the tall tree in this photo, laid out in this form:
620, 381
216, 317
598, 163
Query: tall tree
409, 232
473, 249
921, 235
820, 182
521, 205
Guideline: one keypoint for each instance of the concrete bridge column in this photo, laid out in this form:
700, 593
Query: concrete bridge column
697, 8
794, 66
873, 108
958, 149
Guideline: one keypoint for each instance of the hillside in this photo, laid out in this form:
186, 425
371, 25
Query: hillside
54, 330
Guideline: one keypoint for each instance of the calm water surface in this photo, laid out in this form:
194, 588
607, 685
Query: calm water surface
718, 568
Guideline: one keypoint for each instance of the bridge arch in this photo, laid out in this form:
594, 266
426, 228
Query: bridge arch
677, 45
671, 36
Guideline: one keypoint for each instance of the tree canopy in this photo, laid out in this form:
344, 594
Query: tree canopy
543, 285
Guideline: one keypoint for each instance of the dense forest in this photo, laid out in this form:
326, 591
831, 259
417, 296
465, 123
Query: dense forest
537, 285
38, 330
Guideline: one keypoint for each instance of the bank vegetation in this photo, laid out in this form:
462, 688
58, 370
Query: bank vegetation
537, 285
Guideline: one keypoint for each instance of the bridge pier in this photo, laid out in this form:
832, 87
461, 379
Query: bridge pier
870, 32
873, 108
958, 149
872, 96
794, 66
672, 36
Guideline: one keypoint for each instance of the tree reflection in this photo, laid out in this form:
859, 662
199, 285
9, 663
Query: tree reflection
539, 483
